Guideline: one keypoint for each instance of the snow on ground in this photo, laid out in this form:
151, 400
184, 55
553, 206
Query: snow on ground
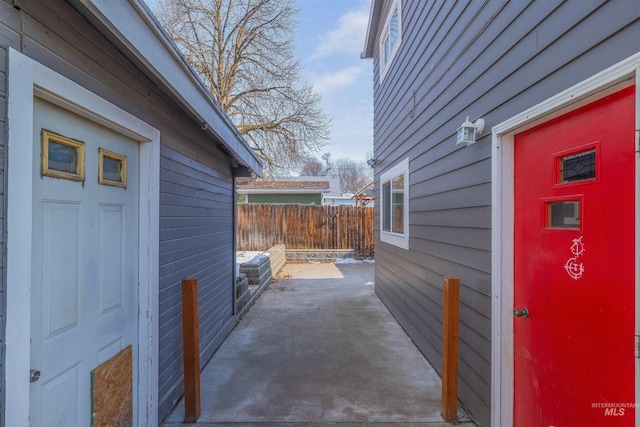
353, 261
245, 256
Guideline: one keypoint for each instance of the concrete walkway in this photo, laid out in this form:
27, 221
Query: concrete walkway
318, 348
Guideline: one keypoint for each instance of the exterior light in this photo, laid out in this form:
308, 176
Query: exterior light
372, 162
467, 131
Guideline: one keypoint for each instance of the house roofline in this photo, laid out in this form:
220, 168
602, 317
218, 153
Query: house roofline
282, 191
372, 29
141, 35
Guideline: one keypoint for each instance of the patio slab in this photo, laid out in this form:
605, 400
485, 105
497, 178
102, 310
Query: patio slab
318, 348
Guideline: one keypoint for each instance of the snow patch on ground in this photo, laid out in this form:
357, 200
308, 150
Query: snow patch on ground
369, 284
246, 256
353, 261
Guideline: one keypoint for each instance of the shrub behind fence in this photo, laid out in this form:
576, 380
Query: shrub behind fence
262, 226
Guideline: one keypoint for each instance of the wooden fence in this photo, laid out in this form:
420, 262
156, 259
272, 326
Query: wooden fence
261, 226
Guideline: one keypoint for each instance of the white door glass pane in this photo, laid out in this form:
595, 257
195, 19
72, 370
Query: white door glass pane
112, 169
62, 157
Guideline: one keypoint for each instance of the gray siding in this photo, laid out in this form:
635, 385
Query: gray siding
489, 59
196, 240
196, 184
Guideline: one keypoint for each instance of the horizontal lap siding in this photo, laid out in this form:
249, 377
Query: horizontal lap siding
196, 236
482, 59
196, 240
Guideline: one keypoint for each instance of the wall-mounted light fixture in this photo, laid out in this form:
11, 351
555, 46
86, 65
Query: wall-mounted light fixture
372, 162
467, 131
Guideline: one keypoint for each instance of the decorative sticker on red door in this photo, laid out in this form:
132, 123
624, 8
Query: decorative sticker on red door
574, 268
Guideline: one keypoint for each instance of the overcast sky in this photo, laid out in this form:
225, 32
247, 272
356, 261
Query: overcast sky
330, 38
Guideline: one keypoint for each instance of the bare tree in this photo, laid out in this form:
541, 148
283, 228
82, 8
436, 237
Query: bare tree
245, 53
353, 175
312, 167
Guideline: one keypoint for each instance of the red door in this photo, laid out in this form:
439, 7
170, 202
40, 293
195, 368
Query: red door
574, 268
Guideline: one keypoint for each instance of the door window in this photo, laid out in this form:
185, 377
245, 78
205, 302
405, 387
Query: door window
112, 168
62, 157
563, 214
577, 166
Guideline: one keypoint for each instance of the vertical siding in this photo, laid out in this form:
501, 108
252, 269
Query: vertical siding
480, 58
196, 185
196, 240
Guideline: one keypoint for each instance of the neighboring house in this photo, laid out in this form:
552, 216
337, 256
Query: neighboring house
363, 197
538, 214
346, 199
306, 190
118, 182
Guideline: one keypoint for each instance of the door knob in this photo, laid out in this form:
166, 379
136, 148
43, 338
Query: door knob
34, 376
521, 312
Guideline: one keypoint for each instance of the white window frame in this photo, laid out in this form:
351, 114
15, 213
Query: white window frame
397, 239
385, 61
611, 80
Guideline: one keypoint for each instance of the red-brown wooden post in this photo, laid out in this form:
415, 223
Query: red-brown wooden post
191, 345
450, 337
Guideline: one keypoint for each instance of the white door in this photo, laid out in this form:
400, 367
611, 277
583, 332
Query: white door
84, 296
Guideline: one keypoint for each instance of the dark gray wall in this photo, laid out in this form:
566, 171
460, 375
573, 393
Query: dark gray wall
481, 58
196, 185
196, 208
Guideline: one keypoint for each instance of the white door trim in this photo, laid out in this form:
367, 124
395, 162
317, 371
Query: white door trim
28, 79
625, 73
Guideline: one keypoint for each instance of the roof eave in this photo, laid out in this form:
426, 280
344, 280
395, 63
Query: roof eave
143, 36
372, 29
282, 191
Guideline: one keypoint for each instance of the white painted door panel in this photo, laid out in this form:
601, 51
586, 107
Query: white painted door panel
84, 271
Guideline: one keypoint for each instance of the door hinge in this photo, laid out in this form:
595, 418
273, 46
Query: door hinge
637, 346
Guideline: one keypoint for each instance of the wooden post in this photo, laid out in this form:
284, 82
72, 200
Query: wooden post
450, 337
191, 346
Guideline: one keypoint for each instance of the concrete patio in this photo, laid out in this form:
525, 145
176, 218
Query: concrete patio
318, 348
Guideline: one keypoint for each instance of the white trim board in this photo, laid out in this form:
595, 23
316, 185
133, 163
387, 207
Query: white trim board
624, 73
28, 79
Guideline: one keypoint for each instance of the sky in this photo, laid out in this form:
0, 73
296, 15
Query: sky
329, 41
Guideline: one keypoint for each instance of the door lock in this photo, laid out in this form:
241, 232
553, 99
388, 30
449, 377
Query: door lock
35, 376
521, 312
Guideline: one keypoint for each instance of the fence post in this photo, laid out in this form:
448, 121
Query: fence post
191, 346
450, 337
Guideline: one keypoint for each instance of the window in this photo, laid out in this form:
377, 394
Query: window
394, 211
391, 37
578, 167
563, 214
112, 168
62, 157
